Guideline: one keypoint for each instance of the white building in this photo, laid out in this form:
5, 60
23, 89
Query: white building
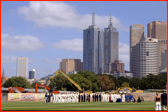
22, 67
73, 72
145, 58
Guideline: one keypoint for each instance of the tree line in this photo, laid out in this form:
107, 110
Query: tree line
89, 81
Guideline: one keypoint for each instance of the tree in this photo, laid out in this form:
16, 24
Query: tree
59, 82
105, 83
123, 79
92, 77
135, 82
125, 84
115, 81
17, 82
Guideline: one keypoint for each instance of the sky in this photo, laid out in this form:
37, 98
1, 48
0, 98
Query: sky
47, 32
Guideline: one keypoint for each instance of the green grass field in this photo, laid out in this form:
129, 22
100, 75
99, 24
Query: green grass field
77, 106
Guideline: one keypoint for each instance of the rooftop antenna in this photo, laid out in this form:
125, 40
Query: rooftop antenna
93, 16
110, 20
93, 19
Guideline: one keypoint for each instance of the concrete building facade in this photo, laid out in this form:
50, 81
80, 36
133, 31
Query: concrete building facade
22, 67
136, 33
145, 58
111, 48
68, 65
158, 30
93, 44
117, 67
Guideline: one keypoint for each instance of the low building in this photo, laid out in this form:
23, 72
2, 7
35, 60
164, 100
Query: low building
73, 72
117, 67
127, 74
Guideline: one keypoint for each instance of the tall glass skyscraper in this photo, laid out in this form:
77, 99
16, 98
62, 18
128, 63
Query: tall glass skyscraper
93, 44
110, 46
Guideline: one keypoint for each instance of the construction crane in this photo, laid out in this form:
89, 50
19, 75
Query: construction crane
128, 88
66, 76
17, 89
44, 86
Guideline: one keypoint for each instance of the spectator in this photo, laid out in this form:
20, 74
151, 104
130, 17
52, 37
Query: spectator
93, 96
89, 98
139, 100
79, 97
142, 99
46, 98
157, 101
100, 97
49, 96
133, 100
164, 100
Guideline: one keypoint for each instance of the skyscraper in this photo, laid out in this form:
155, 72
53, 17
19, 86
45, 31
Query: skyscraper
32, 74
145, 58
158, 30
110, 46
136, 33
69, 65
22, 67
93, 44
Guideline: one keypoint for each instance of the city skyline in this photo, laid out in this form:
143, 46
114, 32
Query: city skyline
44, 41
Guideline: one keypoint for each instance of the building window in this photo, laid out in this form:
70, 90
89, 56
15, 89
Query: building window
147, 53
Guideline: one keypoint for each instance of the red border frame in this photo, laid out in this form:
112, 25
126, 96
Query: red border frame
72, 0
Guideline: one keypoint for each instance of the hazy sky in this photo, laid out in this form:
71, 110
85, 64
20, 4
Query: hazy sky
46, 32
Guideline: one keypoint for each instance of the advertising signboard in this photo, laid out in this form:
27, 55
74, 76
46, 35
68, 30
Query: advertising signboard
26, 97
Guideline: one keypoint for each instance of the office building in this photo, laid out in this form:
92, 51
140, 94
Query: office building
32, 74
163, 61
110, 46
117, 67
22, 67
136, 33
93, 45
145, 58
68, 65
158, 30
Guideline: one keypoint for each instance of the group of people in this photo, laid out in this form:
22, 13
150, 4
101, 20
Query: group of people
130, 98
82, 97
89, 97
161, 100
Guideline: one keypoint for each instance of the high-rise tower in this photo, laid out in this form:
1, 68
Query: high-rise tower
93, 44
22, 67
110, 46
136, 33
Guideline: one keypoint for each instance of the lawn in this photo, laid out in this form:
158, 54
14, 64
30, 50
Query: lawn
77, 106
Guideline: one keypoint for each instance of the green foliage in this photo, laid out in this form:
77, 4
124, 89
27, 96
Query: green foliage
135, 82
123, 79
17, 82
89, 81
125, 84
